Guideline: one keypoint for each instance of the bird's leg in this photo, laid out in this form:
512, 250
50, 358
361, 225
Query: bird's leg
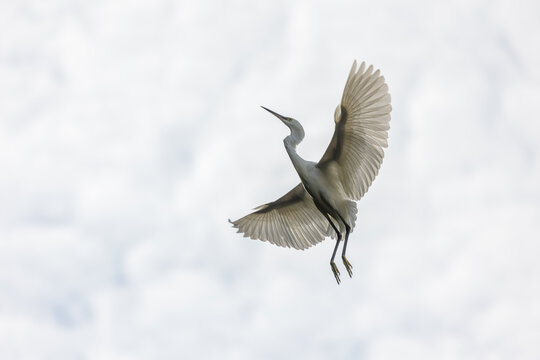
332, 263
346, 262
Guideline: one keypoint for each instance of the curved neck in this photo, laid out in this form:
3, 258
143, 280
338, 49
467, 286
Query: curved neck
291, 141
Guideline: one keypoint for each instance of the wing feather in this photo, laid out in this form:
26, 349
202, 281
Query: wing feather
361, 132
291, 221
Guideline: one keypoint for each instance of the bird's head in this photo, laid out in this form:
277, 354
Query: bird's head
286, 120
293, 124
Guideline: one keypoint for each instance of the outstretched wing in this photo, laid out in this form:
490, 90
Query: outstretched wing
362, 121
291, 221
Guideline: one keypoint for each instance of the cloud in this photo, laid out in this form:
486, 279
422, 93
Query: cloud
129, 133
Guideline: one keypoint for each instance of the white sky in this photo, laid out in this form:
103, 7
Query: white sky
131, 131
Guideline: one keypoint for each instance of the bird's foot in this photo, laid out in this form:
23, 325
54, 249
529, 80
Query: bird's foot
335, 271
348, 265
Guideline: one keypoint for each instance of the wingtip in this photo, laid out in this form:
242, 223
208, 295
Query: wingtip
353, 68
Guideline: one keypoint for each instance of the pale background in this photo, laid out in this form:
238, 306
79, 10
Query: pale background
131, 130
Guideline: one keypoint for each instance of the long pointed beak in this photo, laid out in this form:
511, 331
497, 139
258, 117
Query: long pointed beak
282, 118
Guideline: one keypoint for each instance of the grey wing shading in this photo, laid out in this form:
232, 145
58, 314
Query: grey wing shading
291, 221
362, 122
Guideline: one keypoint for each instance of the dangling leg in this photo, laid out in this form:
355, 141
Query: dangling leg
346, 262
332, 263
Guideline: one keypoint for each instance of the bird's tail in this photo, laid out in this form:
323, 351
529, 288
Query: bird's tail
348, 210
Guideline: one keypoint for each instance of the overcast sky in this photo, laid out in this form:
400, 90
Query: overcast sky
131, 131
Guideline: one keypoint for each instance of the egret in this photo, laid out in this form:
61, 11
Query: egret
324, 203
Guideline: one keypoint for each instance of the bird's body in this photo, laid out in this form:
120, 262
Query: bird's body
324, 186
323, 205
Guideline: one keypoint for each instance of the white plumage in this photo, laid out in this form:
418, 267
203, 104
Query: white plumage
322, 205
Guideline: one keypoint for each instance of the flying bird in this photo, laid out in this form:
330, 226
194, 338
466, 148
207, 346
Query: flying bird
324, 203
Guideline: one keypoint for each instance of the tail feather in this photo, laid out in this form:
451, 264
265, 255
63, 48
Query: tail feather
348, 211
351, 213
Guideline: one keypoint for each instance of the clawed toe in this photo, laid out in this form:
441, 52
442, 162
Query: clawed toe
335, 271
348, 265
